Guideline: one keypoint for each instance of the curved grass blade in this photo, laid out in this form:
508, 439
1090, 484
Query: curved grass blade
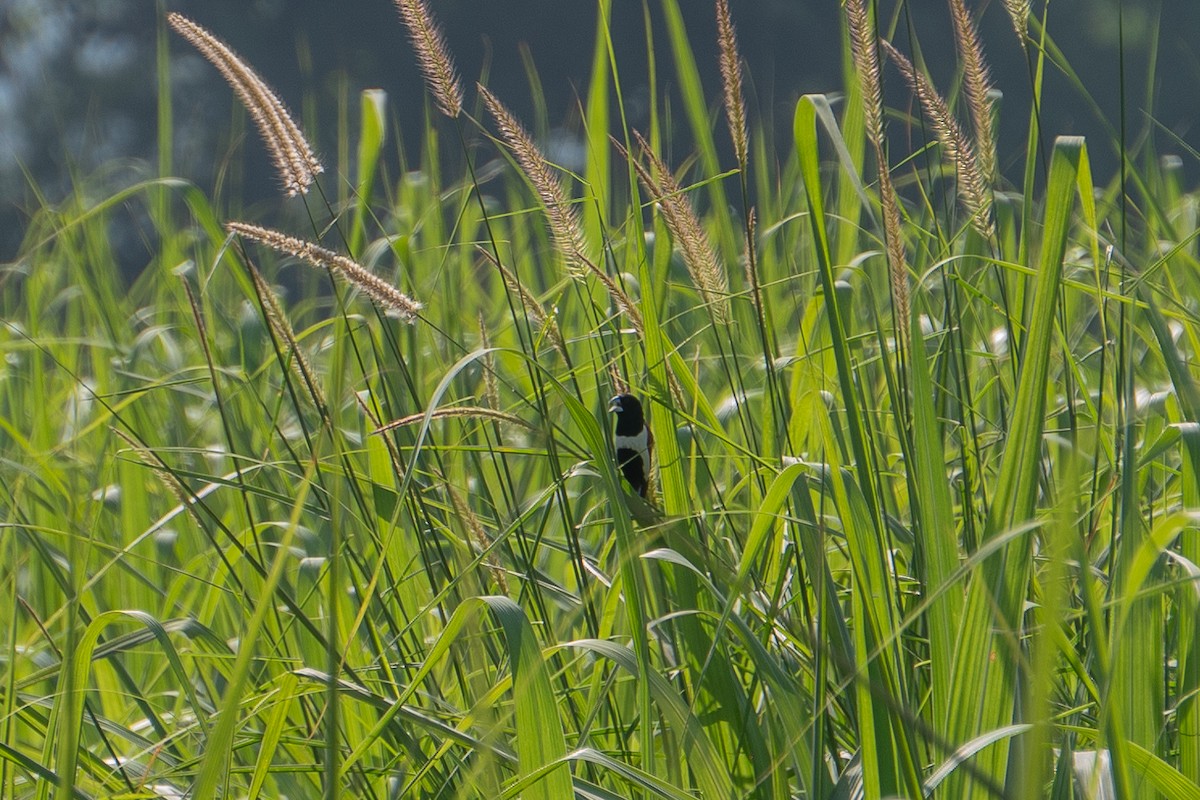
372, 133
83, 658
985, 666
702, 758
889, 756
219, 747
539, 735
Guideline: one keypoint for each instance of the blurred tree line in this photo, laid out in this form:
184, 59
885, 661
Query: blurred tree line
78, 86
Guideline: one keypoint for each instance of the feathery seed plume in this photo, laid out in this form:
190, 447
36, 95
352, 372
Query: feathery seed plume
183, 495
866, 62
897, 262
561, 215
277, 319
747, 263
432, 55
294, 159
620, 298
1019, 11
977, 84
619, 386
731, 81
685, 227
491, 388
393, 451
971, 185
537, 314
382, 292
478, 535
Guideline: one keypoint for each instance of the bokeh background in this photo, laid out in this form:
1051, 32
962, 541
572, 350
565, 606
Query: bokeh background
78, 81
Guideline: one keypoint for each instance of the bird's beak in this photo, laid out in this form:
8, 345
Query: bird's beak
614, 406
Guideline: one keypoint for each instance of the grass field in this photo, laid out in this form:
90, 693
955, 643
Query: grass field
923, 517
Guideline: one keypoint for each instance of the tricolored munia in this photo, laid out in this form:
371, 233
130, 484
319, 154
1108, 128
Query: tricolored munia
633, 441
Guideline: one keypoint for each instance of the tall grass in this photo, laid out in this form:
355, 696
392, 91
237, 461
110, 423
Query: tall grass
923, 518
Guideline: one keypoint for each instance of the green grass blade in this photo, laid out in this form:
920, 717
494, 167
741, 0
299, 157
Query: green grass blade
539, 738
886, 747
935, 524
696, 109
713, 780
597, 175
214, 766
372, 135
985, 666
1187, 694
1161, 775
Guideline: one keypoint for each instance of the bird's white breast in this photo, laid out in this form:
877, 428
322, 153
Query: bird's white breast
639, 443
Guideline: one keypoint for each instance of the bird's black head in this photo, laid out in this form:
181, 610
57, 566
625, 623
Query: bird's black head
629, 414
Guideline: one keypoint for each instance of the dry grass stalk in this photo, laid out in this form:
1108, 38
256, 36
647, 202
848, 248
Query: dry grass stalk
392, 299
294, 159
277, 319
731, 81
685, 227
972, 188
184, 496
373, 418
621, 300
748, 260
561, 215
977, 83
433, 56
545, 322
471, 412
477, 533
491, 388
866, 62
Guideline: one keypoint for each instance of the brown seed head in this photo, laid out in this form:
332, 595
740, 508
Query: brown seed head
392, 299
294, 159
731, 81
432, 55
972, 187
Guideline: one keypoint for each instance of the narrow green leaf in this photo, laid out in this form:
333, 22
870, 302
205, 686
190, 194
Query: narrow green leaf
887, 749
372, 134
985, 665
934, 517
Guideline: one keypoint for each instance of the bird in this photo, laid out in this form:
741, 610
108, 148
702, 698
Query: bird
633, 440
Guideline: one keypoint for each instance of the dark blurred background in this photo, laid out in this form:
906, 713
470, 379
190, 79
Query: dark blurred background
77, 77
